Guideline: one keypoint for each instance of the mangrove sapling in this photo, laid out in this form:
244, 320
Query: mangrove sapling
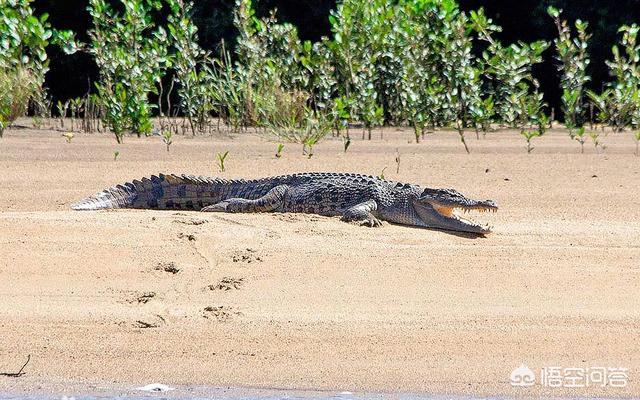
528, 135
221, 157
279, 150
116, 154
346, 142
418, 128
89, 111
340, 116
17, 86
533, 116
397, 161
167, 138
618, 103
132, 55
421, 32
509, 69
76, 106
573, 61
307, 146
355, 52
460, 74
460, 129
24, 38
580, 137
37, 106
288, 117
482, 114
595, 138
381, 176
189, 64
38, 122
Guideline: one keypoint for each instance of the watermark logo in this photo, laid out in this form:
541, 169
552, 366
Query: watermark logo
522, 376
571, 377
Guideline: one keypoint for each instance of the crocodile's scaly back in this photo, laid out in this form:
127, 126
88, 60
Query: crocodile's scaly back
174, 192
355, 197
190, 192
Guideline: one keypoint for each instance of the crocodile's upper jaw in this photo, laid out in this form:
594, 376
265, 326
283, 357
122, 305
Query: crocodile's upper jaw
441, 209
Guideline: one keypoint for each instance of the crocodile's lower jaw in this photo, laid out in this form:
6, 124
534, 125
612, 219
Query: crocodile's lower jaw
454, 212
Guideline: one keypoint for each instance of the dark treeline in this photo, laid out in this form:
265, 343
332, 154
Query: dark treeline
526, 20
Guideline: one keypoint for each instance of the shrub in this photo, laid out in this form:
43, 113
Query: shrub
188, 64
321, 82
461, 77
573, 62
509, 72
422, 91
132, 56
17, 86
23, 59
289, 118
355, 51
229, 91
619, 104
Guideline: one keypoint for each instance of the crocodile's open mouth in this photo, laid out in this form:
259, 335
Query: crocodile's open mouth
443, 209
459, 214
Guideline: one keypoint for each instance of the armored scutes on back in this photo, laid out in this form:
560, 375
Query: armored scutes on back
354, 197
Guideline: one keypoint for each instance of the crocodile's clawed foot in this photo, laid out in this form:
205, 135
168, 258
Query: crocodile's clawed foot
372, 222
218, 207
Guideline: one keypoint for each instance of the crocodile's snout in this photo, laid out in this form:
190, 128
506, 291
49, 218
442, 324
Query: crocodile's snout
442, 208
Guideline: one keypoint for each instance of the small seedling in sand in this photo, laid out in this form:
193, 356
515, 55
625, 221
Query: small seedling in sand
75, 108
167, 138
62, 111
38, 122
221, 157
595, 137
528, 135
279, 150
307, 146
381, 176
346, 141
397, 161
116, 154
580, 137
68, 136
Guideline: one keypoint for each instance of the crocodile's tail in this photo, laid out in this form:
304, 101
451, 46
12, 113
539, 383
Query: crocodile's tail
158, 192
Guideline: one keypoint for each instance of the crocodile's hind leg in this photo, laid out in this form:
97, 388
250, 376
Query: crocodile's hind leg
362, 213
269, 202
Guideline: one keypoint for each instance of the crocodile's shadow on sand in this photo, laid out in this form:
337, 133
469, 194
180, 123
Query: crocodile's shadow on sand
465, 235
17, 127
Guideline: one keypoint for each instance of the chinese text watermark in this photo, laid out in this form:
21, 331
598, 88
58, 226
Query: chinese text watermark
570, 377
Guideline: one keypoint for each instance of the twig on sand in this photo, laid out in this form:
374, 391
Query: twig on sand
19, 373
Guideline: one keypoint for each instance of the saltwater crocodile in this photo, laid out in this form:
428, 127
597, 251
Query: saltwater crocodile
354, 197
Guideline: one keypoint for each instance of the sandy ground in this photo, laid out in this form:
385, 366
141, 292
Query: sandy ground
104, 301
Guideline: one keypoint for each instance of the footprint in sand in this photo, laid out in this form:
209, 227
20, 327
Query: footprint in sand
246, 256
169, 267
220, 313
227, 283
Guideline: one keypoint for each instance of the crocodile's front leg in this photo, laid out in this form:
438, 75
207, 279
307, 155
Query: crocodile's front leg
271, 201
362, 213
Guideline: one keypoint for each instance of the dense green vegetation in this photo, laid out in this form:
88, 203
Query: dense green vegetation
23, 60
421, 63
